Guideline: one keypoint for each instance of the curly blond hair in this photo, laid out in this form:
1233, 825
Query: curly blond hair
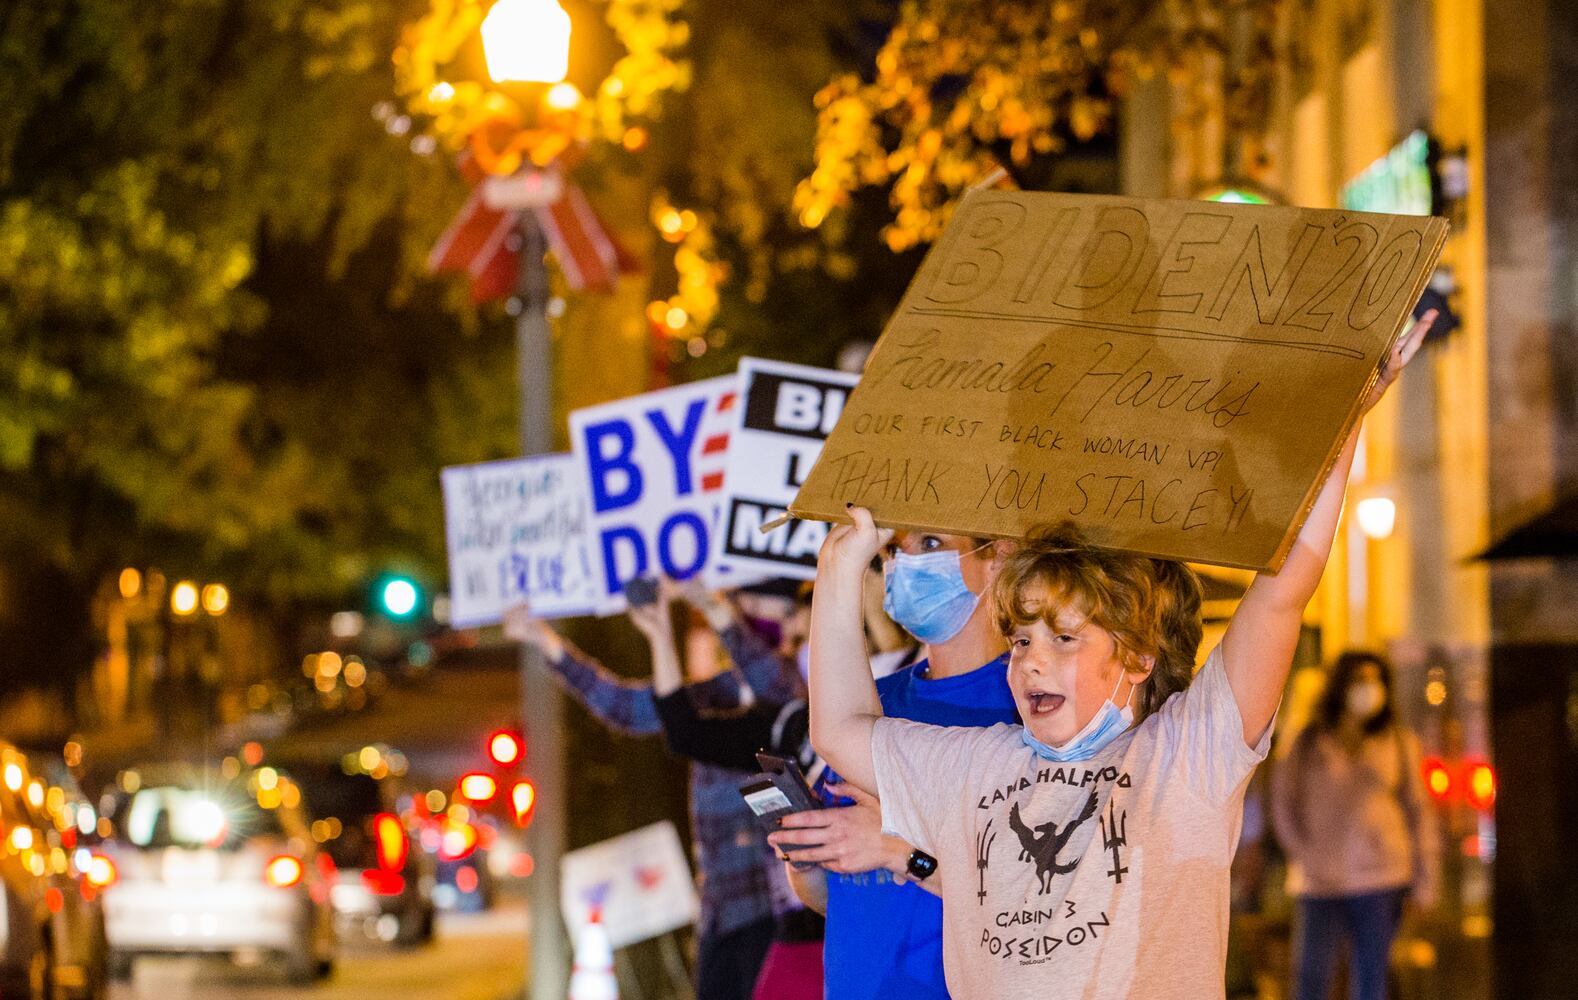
1151, 606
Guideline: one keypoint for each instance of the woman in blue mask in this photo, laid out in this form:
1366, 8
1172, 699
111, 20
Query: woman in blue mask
884, 928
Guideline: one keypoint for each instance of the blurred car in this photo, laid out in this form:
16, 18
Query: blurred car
383, 888
220, 866
52, 932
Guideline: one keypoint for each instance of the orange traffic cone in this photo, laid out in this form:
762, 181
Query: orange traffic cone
593, 978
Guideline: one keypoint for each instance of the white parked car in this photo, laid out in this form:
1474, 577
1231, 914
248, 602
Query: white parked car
221, 867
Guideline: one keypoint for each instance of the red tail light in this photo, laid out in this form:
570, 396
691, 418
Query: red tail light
283, 872
1480, 784
389, 835
1438, 779
479, 787
524, 798
504, 747
383, 883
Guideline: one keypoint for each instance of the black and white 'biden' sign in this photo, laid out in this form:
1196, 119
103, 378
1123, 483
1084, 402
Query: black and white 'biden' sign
788, 412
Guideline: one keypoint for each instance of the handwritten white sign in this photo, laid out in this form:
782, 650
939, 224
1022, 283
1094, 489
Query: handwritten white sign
639, 881
517, 531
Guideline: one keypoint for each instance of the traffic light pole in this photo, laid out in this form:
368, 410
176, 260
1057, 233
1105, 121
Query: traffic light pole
548, 955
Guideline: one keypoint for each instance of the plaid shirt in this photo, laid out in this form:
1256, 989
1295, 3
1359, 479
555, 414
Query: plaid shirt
736, 868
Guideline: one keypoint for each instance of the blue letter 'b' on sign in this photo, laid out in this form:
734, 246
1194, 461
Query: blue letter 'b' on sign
615, 465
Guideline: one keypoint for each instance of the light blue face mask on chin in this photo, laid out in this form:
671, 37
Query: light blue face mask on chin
1108, 724
927, 595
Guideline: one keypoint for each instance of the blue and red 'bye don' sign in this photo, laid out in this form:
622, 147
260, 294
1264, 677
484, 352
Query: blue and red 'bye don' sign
654, 465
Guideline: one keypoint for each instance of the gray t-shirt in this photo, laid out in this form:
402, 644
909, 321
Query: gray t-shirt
1098, 880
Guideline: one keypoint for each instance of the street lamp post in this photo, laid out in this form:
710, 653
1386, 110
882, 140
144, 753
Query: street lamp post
528, 41
550, 966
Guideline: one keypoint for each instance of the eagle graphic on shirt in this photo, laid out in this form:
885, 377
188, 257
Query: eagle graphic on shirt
1042, 844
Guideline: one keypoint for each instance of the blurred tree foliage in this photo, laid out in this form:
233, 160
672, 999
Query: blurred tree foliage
214, 356
961, 89
768, 285
219, 353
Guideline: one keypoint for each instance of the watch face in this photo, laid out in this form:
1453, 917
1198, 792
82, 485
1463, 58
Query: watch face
921, 864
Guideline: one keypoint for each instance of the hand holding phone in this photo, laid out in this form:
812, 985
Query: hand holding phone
779, 790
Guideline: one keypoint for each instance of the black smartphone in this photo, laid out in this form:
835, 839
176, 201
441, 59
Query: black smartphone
642, 591
779, 790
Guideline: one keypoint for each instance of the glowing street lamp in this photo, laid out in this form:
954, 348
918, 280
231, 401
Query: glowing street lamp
527, 41
563, 97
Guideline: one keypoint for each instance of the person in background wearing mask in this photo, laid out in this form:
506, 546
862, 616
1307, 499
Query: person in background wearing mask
738, 873
1349, 807
793, 967
884, 931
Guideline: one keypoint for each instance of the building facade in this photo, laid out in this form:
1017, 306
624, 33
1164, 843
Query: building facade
1348, 97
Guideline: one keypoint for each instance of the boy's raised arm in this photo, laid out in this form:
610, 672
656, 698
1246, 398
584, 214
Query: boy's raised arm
844, 704
1258, 647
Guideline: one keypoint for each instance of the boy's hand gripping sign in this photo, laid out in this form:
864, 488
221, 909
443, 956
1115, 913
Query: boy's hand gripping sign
1174, 376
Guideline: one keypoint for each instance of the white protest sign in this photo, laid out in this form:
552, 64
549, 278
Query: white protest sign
517, 531
654, 468
786, 413
639, 881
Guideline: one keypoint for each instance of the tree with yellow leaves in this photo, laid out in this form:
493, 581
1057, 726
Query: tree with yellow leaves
961, 90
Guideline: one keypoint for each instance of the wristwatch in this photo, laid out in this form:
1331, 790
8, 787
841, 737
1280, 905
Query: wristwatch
921, 865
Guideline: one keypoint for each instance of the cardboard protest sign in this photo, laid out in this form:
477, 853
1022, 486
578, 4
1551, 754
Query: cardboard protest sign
1174, 376
785, 414
517, 531
654, 469
639, 881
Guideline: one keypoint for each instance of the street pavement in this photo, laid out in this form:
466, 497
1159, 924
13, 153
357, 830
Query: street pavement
474, 957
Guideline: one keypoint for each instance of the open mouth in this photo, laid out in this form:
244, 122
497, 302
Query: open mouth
1043, 702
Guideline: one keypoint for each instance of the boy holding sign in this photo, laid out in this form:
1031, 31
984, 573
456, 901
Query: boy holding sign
1084, 853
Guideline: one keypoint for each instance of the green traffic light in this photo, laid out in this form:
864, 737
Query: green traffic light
399, 597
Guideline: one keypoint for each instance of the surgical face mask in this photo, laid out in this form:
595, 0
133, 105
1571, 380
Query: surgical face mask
1106, 725
802, 659
1365, 699
927, 596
